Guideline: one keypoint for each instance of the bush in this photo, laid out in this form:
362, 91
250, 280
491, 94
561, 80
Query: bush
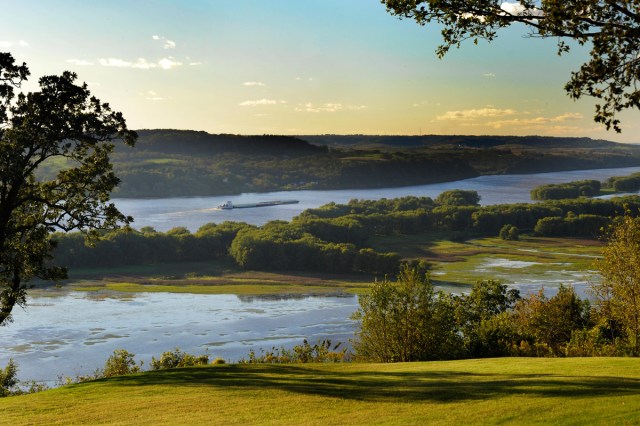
121, 362
8, 378
178, 359
323, 351
510, 233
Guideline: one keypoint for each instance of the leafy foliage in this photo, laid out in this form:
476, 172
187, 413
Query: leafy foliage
322, 351
8, 378
121, 362
177, 359
611, 28
509, 233
482, 318
618, 293
458, 197
406, 320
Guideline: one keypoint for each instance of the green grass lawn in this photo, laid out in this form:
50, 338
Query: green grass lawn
492, 391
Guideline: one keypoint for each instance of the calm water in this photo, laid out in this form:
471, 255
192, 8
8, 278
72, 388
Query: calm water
73, 333
70, 333
193, 212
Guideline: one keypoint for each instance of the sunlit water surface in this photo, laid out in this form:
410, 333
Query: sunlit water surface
71, 333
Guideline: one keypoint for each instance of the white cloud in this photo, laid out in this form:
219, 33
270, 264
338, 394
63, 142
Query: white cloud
259, 102
419, 104
114, 62
7, 44
140, 63
474, 114
538, 121
168, 63
167, 44
328, 107
489, 75
193, 64
519, 9
143, 64
253, 83
80, 62
153, 96
512, 8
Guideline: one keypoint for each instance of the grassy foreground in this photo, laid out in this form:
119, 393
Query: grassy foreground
492, 391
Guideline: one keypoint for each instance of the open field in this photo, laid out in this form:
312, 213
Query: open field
490, 391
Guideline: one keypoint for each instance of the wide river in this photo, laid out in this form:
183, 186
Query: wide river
193, 212
71, 333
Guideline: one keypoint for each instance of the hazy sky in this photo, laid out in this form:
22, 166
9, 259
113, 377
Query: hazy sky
299, 67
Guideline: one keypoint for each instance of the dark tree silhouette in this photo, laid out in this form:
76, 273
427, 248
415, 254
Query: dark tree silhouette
61, 126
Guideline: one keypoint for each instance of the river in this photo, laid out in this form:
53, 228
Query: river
71, 333
193, 212
65, 333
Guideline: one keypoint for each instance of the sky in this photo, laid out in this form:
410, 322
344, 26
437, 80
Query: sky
300, 67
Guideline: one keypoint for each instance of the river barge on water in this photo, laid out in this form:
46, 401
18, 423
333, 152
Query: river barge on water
229, 205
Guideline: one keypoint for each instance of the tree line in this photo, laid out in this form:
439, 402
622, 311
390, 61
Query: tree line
337, 237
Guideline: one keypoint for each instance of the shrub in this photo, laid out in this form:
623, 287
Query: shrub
8, 378
323, 351
121, 362
510, 233
178, 359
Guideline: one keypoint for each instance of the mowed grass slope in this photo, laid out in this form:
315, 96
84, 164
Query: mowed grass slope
491, 391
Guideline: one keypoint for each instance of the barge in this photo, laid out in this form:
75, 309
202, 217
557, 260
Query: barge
229, 205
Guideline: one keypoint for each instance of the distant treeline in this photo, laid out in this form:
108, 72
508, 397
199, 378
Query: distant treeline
336, 237
575, 189
629, 183
586, 188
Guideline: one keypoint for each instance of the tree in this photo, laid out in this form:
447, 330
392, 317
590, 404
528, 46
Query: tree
611, 28
458, 197
509, 233
64, 126
550, 322
618, 292
405, 321
480, 316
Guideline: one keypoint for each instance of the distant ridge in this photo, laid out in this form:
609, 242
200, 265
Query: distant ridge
191, 142
426, 141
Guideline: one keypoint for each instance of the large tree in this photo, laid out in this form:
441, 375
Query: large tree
611, 28
61, 126
618, 292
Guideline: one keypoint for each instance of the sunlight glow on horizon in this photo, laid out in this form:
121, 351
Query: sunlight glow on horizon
290, 67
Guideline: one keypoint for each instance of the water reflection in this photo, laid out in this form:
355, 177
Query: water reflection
285, 297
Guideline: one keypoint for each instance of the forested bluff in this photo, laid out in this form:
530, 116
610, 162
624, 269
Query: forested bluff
168, 163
